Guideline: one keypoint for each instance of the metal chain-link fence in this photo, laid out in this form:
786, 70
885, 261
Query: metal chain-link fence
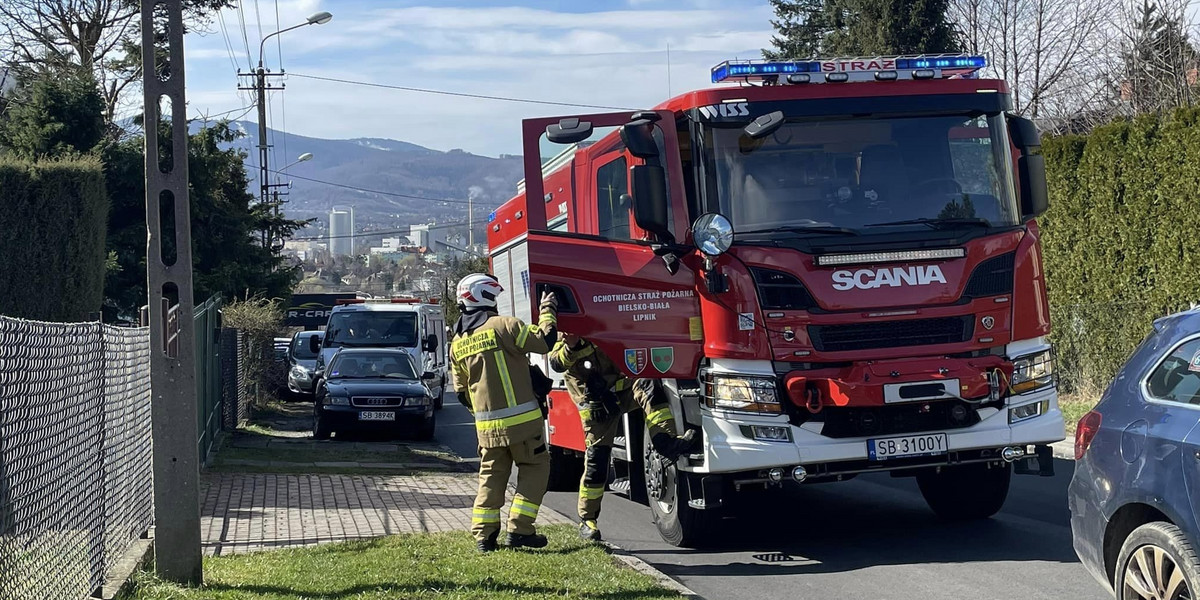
75, 455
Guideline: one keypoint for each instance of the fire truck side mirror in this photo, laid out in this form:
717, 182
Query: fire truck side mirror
569, 131
1031, 167
638, 137
314, 344
648, 183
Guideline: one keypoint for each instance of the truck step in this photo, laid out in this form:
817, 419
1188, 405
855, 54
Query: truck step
620, 486
620, 454
620, 442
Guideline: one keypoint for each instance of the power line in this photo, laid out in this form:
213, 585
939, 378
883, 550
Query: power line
228, 43
374, 233
370, 191
461, 94
258, 20
245, 38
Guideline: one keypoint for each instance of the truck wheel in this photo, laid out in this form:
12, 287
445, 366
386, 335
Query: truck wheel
667, 489
966, 492
566, 470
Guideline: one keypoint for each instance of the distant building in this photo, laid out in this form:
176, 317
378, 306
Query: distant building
306, 250
434, 237
341, 231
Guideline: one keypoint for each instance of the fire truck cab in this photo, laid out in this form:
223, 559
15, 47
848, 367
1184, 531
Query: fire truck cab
832, 265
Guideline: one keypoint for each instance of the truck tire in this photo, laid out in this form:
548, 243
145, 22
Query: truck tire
566, 470
966, 492
667, 488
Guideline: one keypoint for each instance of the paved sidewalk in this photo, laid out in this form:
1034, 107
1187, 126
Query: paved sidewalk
245, 512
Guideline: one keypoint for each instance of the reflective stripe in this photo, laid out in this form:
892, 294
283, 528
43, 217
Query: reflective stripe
521, 506
509, 397
569, 357
661, 415
547, 318
585, 413
524, 417
622, 384
488, 415
476, 343
485, 515
591, 493
524, 335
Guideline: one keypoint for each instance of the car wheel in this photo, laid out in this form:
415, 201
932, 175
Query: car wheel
667, 489
1157, 563
966, 492
321, 429
425, 433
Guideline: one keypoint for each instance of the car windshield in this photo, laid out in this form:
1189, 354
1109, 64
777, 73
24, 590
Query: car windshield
854, 176
361, 365
300, 348
372, 328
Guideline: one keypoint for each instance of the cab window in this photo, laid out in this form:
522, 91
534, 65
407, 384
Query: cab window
612, 182
1177, 377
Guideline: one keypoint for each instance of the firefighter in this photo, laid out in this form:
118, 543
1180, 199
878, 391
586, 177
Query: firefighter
492, 379
603, 394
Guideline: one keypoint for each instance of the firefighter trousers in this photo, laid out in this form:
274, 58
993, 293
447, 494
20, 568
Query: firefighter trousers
495, 466
600, 431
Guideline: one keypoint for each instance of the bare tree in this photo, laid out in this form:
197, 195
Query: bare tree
1045, 49
99, 35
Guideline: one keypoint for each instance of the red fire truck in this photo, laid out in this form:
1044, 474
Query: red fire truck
832, 265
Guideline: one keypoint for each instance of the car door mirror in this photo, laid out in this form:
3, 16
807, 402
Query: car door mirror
430, 344
428, 376
314, 345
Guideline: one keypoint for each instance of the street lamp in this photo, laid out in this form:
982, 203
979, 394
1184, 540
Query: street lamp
260, 86
307, 156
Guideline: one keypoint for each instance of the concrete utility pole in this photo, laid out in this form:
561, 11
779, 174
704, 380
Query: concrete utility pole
174, 418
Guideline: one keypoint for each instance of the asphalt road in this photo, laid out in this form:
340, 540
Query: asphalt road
871, 538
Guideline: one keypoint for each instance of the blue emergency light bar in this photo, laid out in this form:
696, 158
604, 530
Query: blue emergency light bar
857, 69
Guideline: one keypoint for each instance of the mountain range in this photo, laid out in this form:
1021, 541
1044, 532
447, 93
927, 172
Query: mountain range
391, 184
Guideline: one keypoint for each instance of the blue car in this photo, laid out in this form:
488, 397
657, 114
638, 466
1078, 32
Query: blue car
1135, 495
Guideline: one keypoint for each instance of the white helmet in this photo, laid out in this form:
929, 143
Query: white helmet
478, 290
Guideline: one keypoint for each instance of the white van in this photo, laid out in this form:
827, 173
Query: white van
417, 327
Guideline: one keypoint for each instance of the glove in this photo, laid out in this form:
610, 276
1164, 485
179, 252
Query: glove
549, 302
602, 399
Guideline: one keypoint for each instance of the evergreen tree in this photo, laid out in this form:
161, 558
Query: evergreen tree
800, 27
51, 113
889, 27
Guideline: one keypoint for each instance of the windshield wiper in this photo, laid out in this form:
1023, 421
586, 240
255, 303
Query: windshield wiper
829, 229
937, 223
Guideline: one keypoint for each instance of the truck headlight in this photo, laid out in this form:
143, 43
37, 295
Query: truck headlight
741, 393
299, 373
1032, 372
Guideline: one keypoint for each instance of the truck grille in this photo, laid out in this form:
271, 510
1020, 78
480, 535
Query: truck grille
992, 277
891, 334
898, 419
366, 401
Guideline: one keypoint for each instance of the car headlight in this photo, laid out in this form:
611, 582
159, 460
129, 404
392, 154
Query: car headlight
741, 393
300, 373
338, 401
1032, 372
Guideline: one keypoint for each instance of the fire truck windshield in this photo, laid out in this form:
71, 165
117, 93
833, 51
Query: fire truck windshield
863, 175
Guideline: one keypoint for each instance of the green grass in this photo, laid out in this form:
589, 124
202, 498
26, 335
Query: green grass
416, 567
1074, 406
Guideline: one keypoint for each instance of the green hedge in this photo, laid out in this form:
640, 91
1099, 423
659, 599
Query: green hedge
53, 217
1122, 237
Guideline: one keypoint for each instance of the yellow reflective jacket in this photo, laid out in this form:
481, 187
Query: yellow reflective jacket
492, 368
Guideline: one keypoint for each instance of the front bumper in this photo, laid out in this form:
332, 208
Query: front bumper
303, 387
728, 450
341, 417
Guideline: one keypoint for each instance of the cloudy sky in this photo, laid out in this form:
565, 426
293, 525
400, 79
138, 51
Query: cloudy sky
601, 52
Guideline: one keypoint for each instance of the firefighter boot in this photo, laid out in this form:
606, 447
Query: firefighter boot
530, 540
487, 544
589, 531
672, 447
